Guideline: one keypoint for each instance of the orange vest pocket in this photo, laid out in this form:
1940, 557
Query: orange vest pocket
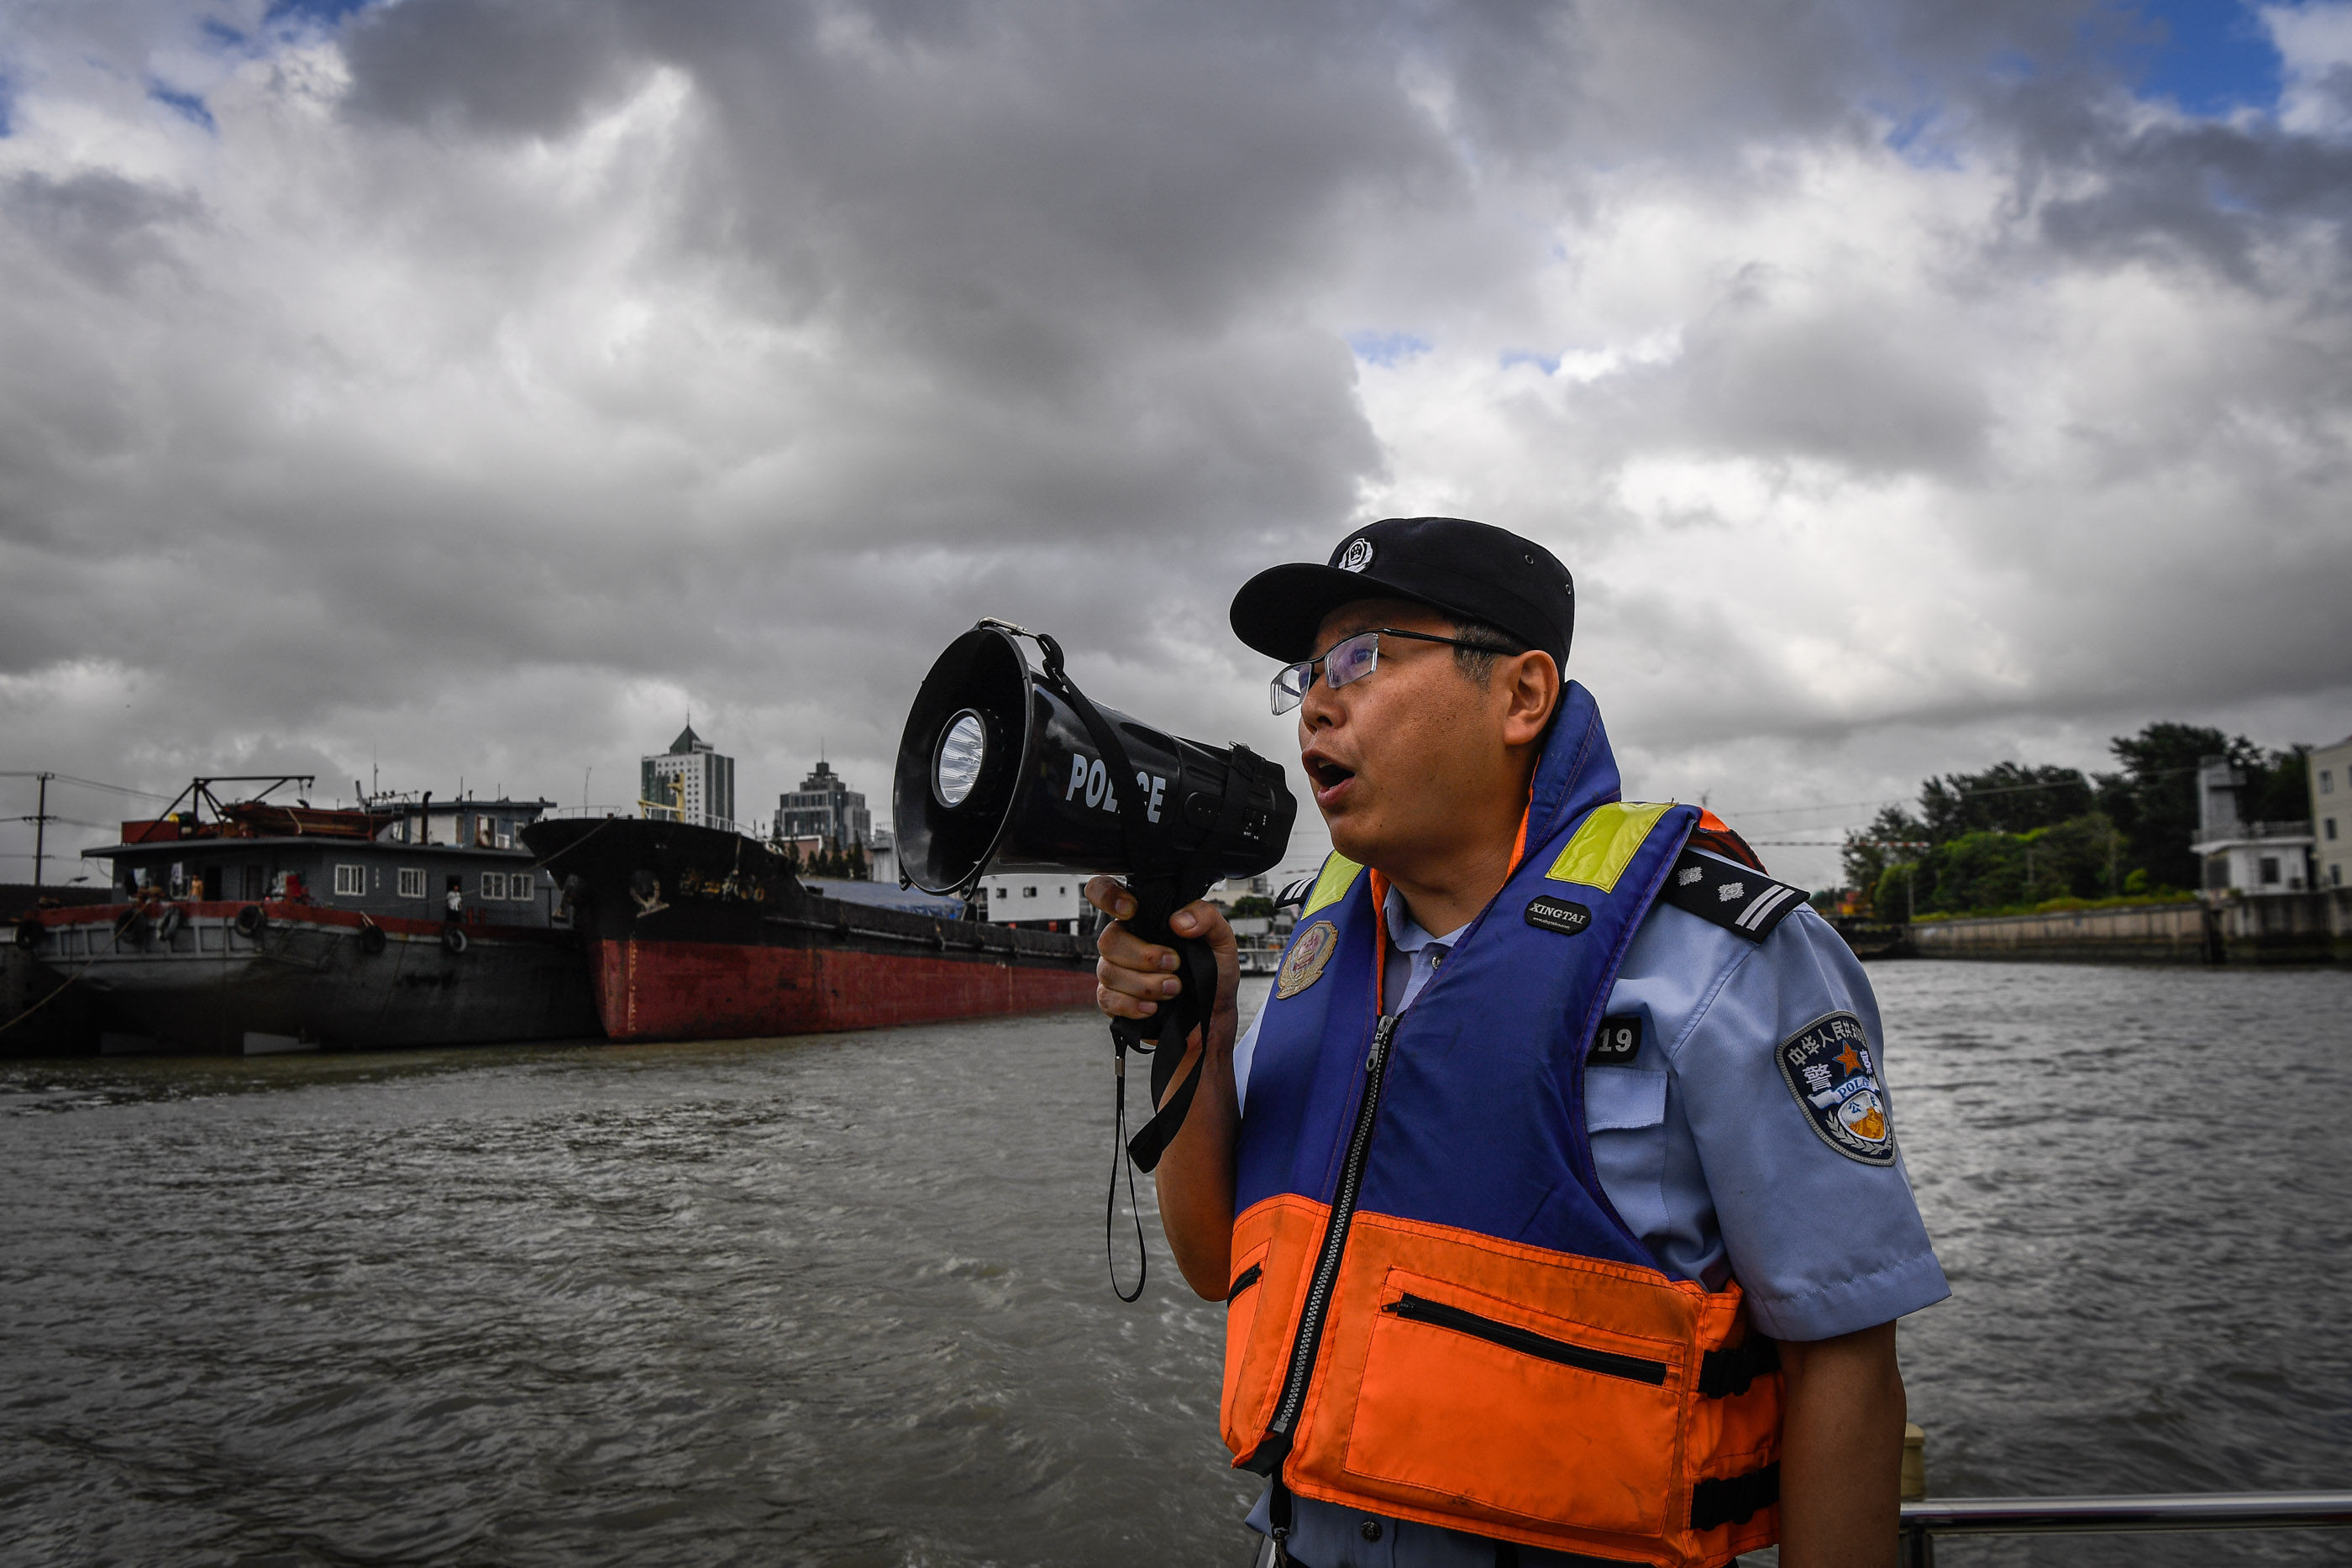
1478, 1400
1241, 1316
1277, 1238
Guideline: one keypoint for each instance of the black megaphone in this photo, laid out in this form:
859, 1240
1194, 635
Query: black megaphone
1004, 767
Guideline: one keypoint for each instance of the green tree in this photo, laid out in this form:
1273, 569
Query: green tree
2282, 792
1892, 893
2007, 797
2153, 801
1252, 906
1869, 853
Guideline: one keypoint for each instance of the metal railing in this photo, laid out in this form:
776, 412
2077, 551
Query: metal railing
1923, 1521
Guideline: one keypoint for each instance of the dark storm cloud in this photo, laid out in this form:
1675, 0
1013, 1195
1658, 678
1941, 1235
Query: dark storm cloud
498, 377
2202, 193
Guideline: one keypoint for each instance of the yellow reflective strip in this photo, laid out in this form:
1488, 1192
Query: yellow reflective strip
1339, 876
1604, 847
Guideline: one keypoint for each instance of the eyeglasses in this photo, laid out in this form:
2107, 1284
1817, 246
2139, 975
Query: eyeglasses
1348, 659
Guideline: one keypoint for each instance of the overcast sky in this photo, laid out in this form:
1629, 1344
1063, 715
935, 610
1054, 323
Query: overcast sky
473, 388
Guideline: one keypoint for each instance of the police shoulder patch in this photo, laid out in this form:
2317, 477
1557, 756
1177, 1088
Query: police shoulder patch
1829, 1067
1744, 901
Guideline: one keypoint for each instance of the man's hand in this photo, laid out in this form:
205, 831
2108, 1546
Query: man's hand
1195, 1177
1841, 1450
1134, 977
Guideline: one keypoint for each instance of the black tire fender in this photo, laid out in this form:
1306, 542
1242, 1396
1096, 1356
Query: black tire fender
251, 921
453, 939
29, 933
372, 938
169, 927
131, 928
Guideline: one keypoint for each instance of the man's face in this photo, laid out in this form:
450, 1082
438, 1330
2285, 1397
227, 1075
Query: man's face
1391, 756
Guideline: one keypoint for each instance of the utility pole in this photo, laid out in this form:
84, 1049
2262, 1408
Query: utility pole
41, 827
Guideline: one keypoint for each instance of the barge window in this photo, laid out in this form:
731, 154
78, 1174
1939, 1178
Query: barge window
350, 881
522, 885
494, 885
412, 882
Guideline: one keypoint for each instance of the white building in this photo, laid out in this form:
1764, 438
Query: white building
2245, 857
690, 782
2331, 812
1033, 898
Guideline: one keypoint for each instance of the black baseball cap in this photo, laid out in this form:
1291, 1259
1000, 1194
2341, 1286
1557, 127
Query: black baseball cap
1472, 572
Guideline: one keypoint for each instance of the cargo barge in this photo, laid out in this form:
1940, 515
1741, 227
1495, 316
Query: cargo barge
254, 926
696, 933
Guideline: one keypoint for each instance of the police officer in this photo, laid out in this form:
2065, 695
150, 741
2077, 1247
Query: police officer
1554, 1192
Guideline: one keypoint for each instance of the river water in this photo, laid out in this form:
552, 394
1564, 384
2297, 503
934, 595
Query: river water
841, 1299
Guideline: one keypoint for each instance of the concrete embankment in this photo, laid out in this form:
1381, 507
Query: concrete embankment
2280, 928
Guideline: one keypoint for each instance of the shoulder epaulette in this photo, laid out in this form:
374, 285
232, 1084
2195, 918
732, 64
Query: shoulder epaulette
1744, 901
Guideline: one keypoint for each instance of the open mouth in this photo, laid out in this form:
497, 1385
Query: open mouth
1328, 775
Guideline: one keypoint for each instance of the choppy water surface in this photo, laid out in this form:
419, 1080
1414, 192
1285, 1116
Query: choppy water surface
841, 1299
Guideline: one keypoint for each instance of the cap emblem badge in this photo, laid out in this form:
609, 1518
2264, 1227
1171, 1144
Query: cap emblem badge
1359, 555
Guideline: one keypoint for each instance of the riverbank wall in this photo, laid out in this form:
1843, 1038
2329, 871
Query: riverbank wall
2279, 928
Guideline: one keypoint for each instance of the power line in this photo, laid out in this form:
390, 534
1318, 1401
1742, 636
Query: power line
86, 783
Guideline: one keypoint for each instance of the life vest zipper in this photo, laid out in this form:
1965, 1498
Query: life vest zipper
1527, 1341
1244, 1280
1327, 1266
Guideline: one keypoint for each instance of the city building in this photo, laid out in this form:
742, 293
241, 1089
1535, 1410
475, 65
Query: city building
824, 806
2331, 812
882, 856
690, 782
2239, 856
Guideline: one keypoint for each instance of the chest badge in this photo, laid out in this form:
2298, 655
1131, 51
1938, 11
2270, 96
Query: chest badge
1829, 1067
1303, 965
1564, 916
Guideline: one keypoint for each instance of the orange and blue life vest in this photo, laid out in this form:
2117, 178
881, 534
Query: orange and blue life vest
1436, 1314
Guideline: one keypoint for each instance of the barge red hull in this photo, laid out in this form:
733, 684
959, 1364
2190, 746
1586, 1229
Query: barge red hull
695, 934
725, 990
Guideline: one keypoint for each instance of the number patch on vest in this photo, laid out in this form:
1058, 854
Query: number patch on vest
1563, 916
1828, 1067
1619, 1042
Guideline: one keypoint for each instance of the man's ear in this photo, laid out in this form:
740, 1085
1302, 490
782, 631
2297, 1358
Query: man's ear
1532, 691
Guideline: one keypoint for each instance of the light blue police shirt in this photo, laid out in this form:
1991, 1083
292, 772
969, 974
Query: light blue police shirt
1705, 1152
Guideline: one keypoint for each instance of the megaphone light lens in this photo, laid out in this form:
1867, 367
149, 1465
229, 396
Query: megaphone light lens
962, 749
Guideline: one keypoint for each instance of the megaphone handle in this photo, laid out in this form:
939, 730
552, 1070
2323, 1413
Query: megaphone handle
1155, 899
